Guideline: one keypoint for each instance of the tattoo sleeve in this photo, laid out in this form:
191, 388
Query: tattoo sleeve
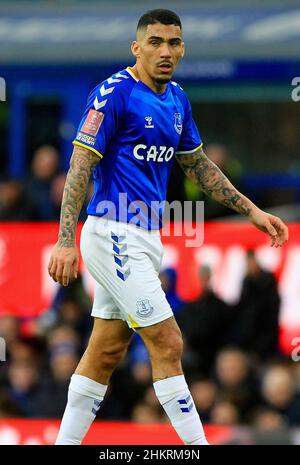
82, 163
213, 182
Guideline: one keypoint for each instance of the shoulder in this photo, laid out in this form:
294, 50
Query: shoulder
179, 92
116, 88
119, 82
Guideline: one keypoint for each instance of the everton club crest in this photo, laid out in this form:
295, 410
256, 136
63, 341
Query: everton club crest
144, 308
178, 123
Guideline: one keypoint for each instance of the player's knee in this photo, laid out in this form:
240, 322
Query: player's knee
168, 348
107, 357
174, 348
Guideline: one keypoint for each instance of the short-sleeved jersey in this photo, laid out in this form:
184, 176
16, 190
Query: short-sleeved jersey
136, 132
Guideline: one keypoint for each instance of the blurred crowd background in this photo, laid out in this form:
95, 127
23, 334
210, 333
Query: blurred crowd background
240, 61
232, 360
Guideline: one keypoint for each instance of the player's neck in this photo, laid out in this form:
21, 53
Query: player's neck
141, 74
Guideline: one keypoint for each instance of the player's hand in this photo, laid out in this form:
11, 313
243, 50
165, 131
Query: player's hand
63, 264
271, 225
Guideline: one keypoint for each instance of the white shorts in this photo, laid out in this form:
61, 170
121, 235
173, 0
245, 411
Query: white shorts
125, 261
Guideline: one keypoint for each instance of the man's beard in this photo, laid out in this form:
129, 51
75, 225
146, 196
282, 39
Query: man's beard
161, 81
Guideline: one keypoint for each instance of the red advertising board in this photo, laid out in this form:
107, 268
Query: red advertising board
44, 432
27, 290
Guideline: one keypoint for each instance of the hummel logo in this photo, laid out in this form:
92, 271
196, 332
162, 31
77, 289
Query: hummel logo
185, 402
149, 122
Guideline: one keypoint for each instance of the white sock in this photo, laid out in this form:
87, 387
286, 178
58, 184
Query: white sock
175, 397
84, 400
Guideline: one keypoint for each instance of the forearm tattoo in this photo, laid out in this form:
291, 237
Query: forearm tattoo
212, 181
82, 163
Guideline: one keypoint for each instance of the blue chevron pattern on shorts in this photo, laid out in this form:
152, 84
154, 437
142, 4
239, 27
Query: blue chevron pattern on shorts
185, 401
124, 275
121, 261
116, 238
119, 247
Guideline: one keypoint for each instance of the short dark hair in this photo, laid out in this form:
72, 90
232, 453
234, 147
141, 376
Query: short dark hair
159, 16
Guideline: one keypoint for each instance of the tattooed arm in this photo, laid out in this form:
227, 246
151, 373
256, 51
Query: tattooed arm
215, 184
63, 263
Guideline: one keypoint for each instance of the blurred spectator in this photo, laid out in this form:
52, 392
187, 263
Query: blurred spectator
71, 314
141, 372
15, 204
278, 389
21, 351
268, 419
62, 335
10, 332
219, 155
63, 361
23, 378
64, 348
56, 194
151, 400
149, 410
204, 393
45, 163
143, 413
9, 329
204, 323
71, 306
231, 167
8, 408
168, 278
45, 166
225, 412
31, 350
137, 352
237, 381
256, 322
124, 392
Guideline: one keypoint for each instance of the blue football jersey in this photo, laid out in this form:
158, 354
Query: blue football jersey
136, 132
